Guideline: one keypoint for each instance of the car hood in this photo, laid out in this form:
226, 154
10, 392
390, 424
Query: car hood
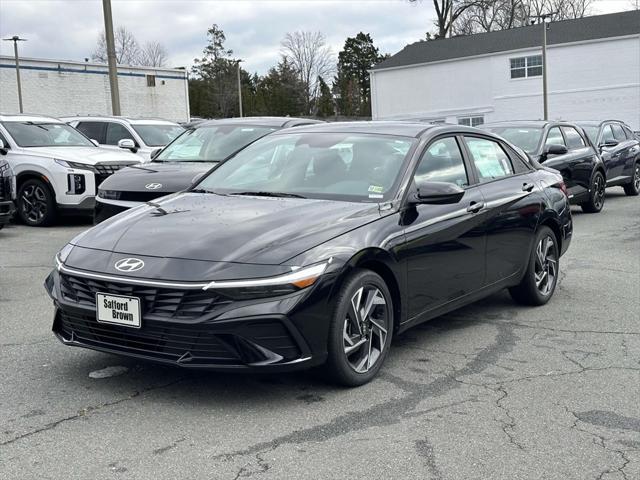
217, 228
86, 155
172, 177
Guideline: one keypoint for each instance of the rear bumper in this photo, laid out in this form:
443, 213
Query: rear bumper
269, 340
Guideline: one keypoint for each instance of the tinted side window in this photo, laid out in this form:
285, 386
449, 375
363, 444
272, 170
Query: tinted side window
628, 132
442, 162
93, 130
115, 133
618, 132
490, 159
574, 139
554, 137
607, 134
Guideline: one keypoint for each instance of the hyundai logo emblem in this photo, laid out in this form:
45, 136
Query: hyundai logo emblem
153, 186
129, 265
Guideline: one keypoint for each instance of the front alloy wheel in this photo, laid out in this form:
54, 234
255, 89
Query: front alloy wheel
546, 265
36, 206
361, 329
633, 188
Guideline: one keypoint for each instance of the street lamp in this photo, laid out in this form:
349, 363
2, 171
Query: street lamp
239, 89
15, 39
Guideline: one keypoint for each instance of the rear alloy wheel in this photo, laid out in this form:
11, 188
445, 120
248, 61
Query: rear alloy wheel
596, 195
361, 330
540, 280
36, 206
633, 189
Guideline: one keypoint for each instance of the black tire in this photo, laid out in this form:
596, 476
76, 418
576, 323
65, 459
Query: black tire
633, 188
36, 203
596, 194
342, 367
529, 291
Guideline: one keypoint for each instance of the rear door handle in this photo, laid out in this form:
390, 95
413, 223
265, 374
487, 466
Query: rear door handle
475, 207
528, 187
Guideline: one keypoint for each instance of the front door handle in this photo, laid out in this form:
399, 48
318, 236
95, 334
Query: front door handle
528, 187
475, 207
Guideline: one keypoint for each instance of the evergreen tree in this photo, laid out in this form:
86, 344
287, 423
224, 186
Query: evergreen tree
325, 99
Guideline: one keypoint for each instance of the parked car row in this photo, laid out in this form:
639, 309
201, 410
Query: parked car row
58, 168
311, 246
7, 192
590, 155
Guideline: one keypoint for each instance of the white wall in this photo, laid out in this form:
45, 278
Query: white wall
70, 88
591, 80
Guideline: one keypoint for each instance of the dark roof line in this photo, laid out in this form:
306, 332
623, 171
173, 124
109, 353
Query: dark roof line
565, 31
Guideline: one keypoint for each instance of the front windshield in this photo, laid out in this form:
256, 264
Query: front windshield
211, 143
527, 138
334, 166
157, 135
42, 134
592, 132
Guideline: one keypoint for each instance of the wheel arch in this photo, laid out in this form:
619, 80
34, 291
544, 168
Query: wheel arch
380, 262
34, 175
553, 223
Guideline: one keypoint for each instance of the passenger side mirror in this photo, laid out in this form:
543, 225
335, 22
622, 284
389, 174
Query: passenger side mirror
128, 144
3, 148
555, 149
437, 193
609, 143
155, 153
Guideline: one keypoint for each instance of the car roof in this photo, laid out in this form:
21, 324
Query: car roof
385, 127
25, 117
131, 120
596, 123
280, 122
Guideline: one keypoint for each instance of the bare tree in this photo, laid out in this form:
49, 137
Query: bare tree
127, 49
311, 58
153, 54
447, 13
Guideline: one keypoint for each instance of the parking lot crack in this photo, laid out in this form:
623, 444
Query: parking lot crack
85, 412
508, 426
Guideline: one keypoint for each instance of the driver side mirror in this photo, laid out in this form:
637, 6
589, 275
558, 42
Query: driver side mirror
437, 193
3, 148
197, 178
128, 144
609, 143
555, 149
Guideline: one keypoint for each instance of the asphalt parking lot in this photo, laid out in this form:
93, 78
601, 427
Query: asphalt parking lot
491, 391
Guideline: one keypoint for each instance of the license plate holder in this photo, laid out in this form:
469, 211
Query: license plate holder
118, 310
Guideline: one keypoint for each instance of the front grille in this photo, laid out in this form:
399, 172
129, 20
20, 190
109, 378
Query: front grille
105, 170
140, 196
159, 302
192, 344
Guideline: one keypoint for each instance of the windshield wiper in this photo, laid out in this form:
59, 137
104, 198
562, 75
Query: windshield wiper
204, 190
270, 194
37, 125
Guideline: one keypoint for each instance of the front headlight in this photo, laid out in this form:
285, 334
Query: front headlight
68, 164
109, 194
63, 254
271, 286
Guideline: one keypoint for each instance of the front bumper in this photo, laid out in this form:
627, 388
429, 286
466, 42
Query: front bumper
187, 329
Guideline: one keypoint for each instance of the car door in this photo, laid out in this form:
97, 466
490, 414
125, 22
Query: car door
622, 155
512, 206
444, 244
117, 132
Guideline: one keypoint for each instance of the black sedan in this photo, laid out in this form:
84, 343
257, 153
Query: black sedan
620, 151
314, 246
176, 166
564, 147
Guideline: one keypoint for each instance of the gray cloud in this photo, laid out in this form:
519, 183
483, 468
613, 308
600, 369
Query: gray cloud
68, 29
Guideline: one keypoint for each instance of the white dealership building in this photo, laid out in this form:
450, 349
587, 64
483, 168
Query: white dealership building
593, 73
64, 88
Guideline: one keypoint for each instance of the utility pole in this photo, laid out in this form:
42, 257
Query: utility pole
239, 89
545, 93
111, 57
15, 39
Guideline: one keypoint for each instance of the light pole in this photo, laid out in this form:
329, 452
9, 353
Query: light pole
15, 39
545, 99
111, 57
239, 89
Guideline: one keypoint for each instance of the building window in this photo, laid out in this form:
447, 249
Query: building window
524, 67
473, 121
151, 80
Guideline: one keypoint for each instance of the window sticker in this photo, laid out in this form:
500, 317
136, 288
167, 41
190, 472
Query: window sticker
375, 195
375, 189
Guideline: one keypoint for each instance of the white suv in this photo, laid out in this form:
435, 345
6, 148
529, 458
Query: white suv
57, 168
139, 135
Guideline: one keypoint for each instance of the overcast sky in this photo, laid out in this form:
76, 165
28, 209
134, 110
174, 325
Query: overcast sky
67, 30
